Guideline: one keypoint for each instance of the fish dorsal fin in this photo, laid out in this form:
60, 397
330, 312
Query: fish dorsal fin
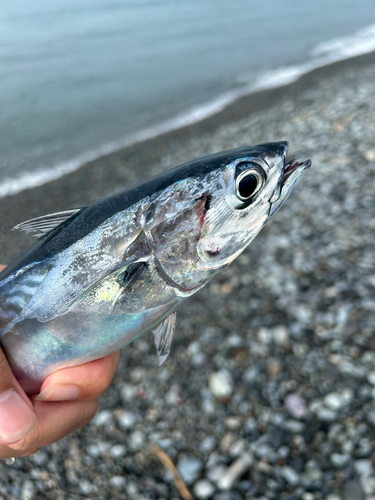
163, 337
44, 224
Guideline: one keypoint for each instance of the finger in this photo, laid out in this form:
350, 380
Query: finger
87, 381
2, 267
17, 417
55, 420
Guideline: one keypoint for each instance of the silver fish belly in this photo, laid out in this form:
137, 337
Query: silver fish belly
101, 276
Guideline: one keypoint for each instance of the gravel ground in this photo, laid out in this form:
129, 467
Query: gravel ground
269, 392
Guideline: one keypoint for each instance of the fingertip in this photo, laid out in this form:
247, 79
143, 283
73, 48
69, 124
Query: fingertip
86, 381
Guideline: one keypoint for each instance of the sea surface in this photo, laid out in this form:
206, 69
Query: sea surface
81, 78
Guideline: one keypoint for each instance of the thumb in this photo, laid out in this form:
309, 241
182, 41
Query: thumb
17, 417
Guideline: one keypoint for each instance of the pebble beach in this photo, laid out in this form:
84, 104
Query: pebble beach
269, 390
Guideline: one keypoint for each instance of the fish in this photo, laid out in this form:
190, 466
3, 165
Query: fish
100, 276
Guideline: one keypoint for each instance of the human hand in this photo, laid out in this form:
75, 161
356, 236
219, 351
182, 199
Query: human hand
68, 400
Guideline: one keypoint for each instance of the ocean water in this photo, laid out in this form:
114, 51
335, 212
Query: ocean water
80, 78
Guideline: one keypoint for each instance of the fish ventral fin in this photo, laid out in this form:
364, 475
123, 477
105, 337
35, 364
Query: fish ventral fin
44, 224
163, 337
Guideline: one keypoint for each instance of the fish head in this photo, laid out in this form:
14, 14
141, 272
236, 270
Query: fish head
246, 193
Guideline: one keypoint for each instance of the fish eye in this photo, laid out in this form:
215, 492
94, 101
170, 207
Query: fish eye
249, 182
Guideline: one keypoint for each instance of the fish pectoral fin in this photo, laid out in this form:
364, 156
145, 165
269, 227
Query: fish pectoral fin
127, 278
44, 224
163, 337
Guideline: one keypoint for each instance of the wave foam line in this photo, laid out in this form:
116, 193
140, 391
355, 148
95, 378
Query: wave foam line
361, 42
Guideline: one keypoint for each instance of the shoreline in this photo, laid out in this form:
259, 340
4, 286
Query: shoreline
120, 169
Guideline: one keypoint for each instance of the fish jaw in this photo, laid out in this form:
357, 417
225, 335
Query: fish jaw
292, 175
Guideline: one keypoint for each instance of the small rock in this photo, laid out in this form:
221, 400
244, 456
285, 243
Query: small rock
302, 313
296, 406
136, 440
97, 449
189, 468
216, 472
233, 423
128, 392
371, 378
28, 491
283, 452
102, 418
363, 467
86, 487
293, 426
250, 375
117, 482
274, 368
165, 443
364, 447
40, 457
237, 448
227, 441
263, 467
203, 489
208, 444
290, 475
339, 460
208, 406
126, 419
137, 374
198, 359
265, 336
220, 384
281, 336
117, 451
337, 400
369, 155
326, 415
307, 496
250, 425
233, 473
132, 489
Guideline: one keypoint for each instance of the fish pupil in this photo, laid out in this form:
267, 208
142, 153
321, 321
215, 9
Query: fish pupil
247, 186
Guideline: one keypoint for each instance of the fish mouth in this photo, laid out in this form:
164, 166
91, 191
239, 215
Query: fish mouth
292, 174
295, 165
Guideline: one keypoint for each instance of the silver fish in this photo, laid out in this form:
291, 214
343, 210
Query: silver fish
100, 276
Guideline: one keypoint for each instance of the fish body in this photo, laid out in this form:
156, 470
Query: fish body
101, 276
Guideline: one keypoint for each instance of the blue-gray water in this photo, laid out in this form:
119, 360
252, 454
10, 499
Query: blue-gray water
83, 77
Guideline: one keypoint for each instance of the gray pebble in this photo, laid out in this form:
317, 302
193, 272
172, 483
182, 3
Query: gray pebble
364, 467
296, 406
233, 473
290, 475
339, 460
220, 384
102, 418
189, 468
126, 419
136, 440
117, 451
203, 489
28, 491
117, 482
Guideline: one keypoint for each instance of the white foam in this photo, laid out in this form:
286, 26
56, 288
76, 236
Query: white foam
361, 42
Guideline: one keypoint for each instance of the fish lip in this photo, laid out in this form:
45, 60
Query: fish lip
293, 165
